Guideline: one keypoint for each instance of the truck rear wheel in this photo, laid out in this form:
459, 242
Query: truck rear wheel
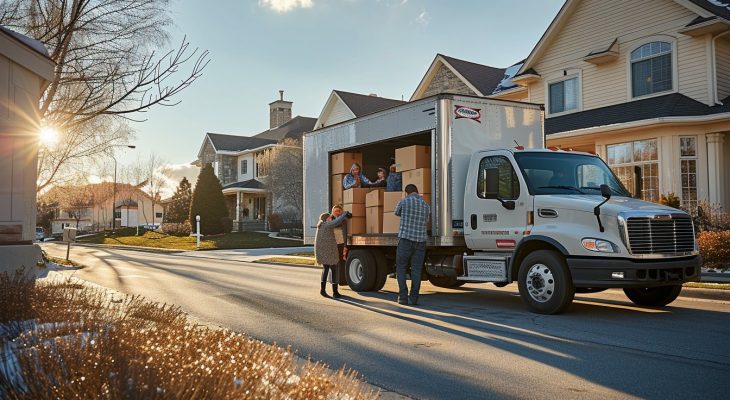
445, 281
545, 283
654, 296
381, 273
361, 270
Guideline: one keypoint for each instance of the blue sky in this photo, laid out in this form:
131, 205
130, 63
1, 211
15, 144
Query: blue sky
258, 47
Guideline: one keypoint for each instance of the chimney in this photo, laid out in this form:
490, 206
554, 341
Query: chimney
279, 111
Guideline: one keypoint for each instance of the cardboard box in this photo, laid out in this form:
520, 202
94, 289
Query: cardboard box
374, 220
412, 157
390, 200
355, 225
340, 163
336, 185
420, 177
354, 195
357, 210
427, 197
391, 223
374, 198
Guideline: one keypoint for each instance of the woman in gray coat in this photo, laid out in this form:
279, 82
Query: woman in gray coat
325, 249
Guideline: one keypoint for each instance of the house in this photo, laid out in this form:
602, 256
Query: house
89, 207
452, 75
644, 84
342, 106
241, 163
25, 72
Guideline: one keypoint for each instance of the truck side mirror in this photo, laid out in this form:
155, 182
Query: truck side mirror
606, 191
492, 183
638, 181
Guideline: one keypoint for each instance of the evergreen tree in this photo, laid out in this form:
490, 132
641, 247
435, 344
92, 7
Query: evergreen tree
208, 202
179, 209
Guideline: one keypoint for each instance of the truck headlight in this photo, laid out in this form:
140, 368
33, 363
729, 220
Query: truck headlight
598, 245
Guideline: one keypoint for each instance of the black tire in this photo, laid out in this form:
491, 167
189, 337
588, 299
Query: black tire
585, 290
545, 283
361, 270
381, 264
446, 281
654, 296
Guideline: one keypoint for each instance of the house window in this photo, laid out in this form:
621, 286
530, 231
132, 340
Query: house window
651, 69
688, 169
625, 159
563, 95
508, 184
117, 214
158, 215
244, 167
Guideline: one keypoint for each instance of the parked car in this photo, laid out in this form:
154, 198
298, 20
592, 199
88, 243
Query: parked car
40, 233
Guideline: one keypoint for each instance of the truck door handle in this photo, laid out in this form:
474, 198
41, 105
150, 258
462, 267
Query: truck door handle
473, 221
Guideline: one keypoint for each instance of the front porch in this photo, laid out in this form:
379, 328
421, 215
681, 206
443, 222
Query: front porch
248, 208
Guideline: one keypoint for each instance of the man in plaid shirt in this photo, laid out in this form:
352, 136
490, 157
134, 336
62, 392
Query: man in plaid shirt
414, 213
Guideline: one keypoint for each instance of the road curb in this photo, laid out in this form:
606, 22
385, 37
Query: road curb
705, 294
133, 248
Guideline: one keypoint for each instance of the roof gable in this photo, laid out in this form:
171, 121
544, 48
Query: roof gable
222, 142
479, 78
293, 129
352, 105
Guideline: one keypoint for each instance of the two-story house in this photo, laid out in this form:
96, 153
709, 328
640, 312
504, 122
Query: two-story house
644, 84
241, 163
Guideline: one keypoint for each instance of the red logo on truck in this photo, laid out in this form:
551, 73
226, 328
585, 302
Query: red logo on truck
468, 113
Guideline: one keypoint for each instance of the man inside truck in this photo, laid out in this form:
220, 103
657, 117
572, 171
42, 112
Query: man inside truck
414, 213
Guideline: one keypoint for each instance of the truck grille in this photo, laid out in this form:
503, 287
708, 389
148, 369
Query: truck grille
661, 234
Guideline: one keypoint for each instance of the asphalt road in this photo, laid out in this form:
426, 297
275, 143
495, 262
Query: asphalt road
476, 342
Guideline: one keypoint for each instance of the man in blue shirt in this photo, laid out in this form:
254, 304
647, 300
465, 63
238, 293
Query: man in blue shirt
394, 182
414, 213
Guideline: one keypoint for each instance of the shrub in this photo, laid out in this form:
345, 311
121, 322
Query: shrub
276, 222
710, 217
208, 202
670, 200
714, 248
177, 229
227, 224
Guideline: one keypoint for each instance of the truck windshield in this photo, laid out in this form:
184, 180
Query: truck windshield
567, 173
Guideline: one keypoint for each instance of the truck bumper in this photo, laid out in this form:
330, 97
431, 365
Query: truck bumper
601, 272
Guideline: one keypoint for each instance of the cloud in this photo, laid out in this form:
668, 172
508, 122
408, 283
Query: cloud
283, 6
424, 18
175, 174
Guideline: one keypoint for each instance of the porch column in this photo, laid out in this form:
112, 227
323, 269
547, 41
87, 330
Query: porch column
238, 207
715, 168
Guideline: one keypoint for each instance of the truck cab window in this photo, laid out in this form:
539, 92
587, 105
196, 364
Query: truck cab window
508, 187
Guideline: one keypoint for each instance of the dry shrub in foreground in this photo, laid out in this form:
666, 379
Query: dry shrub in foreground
714, 248
80, 342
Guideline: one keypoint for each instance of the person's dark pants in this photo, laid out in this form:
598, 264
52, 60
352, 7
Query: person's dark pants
328, 268
341, 271
415, 253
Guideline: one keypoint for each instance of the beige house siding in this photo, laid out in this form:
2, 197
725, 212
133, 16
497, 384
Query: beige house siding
339, 113
723, 68
595, 24
446, 81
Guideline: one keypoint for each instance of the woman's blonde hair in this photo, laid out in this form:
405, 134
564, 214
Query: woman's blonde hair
337, 206
323, 217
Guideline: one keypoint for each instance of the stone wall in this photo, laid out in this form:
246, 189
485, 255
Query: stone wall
447, 81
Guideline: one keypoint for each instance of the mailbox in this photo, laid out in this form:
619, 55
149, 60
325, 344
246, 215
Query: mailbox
69, 234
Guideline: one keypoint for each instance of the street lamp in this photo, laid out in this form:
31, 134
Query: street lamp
114, 195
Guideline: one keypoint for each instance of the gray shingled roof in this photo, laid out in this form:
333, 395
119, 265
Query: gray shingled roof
361, 104
293, 129
223, 142
719, 8
483, 77
249, 184
669, 105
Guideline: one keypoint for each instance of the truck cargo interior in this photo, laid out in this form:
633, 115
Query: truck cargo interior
378, 155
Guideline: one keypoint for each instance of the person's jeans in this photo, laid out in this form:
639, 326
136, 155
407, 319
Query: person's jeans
330, 268
415, 252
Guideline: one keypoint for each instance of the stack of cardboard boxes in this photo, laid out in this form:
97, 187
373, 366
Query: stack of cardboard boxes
340, 166
414, 165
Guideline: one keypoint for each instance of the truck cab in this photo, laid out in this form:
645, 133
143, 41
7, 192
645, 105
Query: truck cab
560, 222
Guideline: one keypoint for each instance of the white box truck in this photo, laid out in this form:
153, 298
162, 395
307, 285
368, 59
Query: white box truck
505, 209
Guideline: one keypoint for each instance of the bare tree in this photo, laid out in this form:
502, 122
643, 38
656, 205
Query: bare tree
284, 178
149, 176
77, 201
108, 69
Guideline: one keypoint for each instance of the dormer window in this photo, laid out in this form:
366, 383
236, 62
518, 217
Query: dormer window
651, 69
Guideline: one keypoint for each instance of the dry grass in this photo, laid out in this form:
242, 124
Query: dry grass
236, 240
303, 254
73, 341
708, 285
290, 260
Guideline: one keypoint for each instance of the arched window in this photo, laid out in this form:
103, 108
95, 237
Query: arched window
651, 69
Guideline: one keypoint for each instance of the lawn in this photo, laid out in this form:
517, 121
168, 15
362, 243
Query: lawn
236, 240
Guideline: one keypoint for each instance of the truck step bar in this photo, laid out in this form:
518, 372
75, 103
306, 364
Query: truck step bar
485, 268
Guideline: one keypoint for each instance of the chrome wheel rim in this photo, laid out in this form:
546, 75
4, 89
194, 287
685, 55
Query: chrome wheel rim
355, 271
540, 283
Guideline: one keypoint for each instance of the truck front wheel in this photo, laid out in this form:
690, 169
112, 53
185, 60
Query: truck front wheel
545, 283
654, 296
361, 270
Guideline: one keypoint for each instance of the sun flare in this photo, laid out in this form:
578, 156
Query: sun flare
48, 136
